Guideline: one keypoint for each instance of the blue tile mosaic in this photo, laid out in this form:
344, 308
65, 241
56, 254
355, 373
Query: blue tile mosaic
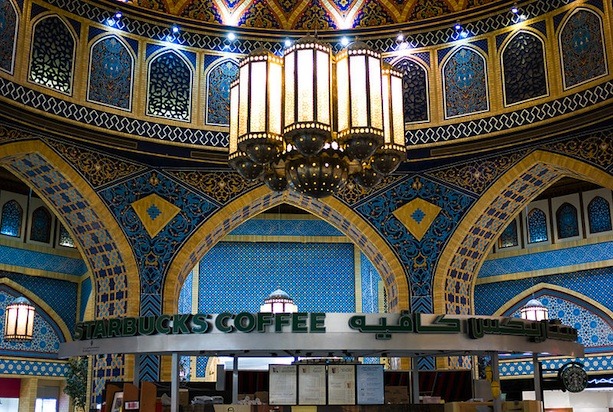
546, 260
32, 367
489, 297
319, 277
60, 295
46, 338
42, 261
286, 227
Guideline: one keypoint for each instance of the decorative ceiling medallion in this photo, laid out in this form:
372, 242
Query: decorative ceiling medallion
155, 213
417, 216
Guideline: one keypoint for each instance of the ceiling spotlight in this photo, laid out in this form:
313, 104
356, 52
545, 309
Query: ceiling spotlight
457, 26
514, 9
231, 36
344, 41
400, 38
118, 14
287, 42
175, 29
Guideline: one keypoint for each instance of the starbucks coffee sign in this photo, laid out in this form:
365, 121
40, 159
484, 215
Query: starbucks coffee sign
320, 334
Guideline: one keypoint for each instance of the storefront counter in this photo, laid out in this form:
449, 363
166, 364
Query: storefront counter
511, 406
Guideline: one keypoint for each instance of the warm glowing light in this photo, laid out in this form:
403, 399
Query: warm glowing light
19, 320
231, 36
344, 41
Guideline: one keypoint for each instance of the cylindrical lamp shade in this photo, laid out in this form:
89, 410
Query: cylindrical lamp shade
19, 320
359, 100
393, 151
308, 95
260, 106
237, 159
534, 310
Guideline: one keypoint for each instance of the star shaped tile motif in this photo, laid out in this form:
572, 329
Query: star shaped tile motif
155, 213
417, 216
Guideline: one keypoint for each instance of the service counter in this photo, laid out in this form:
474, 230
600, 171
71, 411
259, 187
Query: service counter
510, 406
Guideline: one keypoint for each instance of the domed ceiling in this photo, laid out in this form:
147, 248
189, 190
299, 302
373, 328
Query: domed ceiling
309, 15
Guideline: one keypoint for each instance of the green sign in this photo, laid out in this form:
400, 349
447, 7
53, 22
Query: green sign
303, 322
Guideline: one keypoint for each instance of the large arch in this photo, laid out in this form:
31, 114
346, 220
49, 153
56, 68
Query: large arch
456, 273
260, 199
80, 209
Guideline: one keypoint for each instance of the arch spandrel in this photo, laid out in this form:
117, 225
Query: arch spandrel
457, 270
260, 199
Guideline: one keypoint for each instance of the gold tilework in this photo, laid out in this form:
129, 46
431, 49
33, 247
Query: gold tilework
417, 216
155, 213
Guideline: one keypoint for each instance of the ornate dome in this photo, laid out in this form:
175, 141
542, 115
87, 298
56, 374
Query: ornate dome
308, 15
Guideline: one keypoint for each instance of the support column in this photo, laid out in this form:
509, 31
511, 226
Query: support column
27, 394
536, 366
496, 378
136, 376
414, 380
235, 380
174, 383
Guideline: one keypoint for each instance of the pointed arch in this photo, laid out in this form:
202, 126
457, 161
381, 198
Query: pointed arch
111, 72
170, 101
218, 78
582, 47
9, 14
465, 82
82, 212
541, 288
34, 299
524, 63
456, 272
260, 199
52, 54
415, 89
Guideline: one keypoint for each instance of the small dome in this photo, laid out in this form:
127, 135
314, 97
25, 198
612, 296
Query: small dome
534, 303
279, 294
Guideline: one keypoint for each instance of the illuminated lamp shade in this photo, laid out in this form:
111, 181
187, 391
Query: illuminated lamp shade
318, 176
239, 160
19, 320
278, 302
359, 100
308, 95
259, 106
388, 157
534, 310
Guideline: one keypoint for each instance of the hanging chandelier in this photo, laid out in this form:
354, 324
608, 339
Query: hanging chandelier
534, 310
314, 121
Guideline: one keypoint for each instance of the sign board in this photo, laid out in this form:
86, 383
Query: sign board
282, 385
341, 385
311, 384
370, 384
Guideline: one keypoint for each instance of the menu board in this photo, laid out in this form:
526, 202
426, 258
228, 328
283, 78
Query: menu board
282, 385
370, 384
311, 384
341, 385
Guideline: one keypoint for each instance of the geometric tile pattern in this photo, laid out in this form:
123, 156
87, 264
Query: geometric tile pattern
154, 213
417, 216
45, 341
32, 367
60, 295
243, 274
489, 297
594, 331
43, 261
547, 259
95, 167
551, 366
98, 244
8, 35
418, 256
158, 31
311, 205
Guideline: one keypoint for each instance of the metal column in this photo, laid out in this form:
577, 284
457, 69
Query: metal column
174, 383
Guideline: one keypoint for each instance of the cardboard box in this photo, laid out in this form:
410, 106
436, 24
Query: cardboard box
262, 396
397, 395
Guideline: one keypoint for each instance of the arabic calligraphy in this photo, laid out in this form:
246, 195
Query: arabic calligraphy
474, 327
